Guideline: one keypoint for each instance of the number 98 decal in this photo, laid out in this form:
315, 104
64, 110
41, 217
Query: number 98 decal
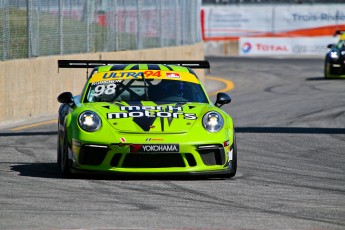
102, 89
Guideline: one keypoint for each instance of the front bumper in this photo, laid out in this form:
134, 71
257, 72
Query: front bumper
192, 158
335, 69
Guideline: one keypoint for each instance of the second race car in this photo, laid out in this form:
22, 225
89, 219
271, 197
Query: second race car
335, 58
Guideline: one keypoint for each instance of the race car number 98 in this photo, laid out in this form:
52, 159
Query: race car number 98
102, 89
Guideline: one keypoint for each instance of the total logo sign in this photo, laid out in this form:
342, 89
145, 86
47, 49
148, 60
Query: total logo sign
246, 47
264, 46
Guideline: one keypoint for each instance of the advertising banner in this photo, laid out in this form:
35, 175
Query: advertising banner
284, 45
234, 21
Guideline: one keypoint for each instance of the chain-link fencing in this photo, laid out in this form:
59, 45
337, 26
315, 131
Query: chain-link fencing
31, 28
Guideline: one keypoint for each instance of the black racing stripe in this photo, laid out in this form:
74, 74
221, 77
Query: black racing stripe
135, 67
191, 71
171, 69
162, 123
153, 67
144, 123
118, 67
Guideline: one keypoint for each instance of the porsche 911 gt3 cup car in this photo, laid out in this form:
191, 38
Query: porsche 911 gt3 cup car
148, 118
335, 58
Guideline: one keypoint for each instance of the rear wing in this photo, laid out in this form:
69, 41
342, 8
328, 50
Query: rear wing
201, 64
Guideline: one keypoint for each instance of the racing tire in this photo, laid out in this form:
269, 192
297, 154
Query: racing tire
326, 71
58, 155
63, 161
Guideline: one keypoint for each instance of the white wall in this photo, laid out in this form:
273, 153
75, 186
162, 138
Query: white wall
304, 28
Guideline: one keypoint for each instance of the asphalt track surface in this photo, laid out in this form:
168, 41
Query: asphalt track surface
291, 145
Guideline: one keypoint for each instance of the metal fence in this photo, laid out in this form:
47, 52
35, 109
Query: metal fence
31, 28
260, 2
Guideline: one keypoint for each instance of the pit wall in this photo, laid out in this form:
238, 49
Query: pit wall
29, 87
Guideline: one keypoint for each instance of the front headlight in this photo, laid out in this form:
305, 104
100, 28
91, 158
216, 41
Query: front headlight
213, 121
89, 121
334, 55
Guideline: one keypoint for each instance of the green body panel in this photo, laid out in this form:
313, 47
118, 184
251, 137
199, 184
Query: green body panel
188, 136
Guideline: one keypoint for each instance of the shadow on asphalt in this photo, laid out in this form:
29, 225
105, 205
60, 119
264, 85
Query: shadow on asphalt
51, 171
323, 79
287, 130
13, 134
44, 170
301, 130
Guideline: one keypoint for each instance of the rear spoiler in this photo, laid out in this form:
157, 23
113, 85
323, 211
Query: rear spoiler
201, 64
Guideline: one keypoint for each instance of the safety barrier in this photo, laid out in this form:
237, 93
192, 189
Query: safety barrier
271, 29
29, 87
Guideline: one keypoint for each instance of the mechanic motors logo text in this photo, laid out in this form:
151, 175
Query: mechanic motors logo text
246, 47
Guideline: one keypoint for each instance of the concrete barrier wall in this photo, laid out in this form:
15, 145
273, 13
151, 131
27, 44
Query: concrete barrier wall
221, 48
29, 87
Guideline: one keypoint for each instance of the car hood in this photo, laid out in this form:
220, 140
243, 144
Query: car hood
151, 117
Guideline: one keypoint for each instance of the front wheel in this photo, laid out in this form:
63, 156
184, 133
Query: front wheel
63, 161
326, 70
234, 160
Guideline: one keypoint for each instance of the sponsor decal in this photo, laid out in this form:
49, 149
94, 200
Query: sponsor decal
316, 17
154, 148
309, 49
230, 155
246, 47
130, 74
226, 143
254, 46
122, 75
172, 75
150, 73
151, 112
122, 139
156, 108
154, 139
275, 48
107, 82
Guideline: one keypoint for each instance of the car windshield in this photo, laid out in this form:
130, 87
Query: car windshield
156, 90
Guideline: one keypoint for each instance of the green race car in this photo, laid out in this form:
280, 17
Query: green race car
144, 117
335, 58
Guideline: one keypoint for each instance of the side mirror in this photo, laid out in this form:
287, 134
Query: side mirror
330, 46
65, 97
222, 99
